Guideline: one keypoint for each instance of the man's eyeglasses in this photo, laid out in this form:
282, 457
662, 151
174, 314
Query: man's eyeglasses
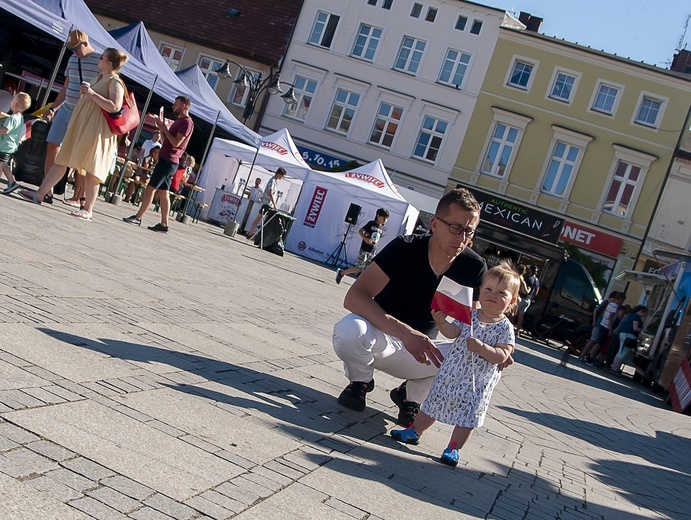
456, 229
76, 48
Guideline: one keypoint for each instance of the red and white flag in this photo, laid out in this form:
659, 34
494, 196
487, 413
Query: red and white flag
455, 300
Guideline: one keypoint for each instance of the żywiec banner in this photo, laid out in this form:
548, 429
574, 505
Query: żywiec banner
315, 206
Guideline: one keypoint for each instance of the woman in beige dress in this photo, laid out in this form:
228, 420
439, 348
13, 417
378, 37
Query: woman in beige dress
89, 146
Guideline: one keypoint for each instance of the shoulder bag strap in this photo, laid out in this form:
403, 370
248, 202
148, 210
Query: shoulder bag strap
79, 66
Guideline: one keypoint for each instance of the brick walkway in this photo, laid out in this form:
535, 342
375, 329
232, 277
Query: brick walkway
191, 375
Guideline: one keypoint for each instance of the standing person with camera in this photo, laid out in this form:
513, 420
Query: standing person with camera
175, 140
370, 234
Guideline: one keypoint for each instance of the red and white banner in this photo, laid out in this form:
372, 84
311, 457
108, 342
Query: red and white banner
454, 300
591, 239
315, 207
680, 389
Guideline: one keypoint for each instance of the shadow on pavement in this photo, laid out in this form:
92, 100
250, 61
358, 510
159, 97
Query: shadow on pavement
667, 453
308, 415
581, 373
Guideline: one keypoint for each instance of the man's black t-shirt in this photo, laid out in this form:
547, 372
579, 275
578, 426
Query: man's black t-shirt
368, 229
412, 283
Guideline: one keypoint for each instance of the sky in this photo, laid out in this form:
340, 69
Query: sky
643, 30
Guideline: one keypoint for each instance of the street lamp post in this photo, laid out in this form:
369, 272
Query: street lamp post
256, 83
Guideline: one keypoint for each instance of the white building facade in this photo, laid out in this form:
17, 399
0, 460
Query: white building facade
390, 79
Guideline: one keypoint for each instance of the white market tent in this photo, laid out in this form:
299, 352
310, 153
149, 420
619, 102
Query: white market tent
325, 199
276, 150
320, 214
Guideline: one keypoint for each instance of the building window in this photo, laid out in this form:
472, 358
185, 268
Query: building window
563, 86
606, 98
520, 74
239, 93
500, 150
171, 55
416, 10
386, 124
304, 92
477, 27
621, 188
431, 14
366, 42
410, 55
454, 68
324, 29
560, 168
387, 4
372, 2
649, 110
629, 169
461, 22
563, 161
502, 142
208, 65
343, 111
430, 139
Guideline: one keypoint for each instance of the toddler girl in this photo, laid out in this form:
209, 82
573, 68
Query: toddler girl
463, 386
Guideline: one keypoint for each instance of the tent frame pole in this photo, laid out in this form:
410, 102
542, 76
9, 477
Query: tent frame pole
55, 70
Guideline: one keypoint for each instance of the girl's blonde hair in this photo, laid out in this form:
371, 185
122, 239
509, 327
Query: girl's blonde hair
116, 57
505, 272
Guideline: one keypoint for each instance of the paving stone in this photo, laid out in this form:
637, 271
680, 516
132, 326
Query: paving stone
147, 513
43, 395
251, 486
96, 509
16, 434
59, 490
63, 393
283, 469
71, 479
87, 468
22, 463
224, 501
128, 487
209, 508
50, 450
114, 499
200, 443
240, 494
170, 507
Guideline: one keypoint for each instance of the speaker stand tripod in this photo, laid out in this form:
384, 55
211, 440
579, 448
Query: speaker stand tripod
335, 257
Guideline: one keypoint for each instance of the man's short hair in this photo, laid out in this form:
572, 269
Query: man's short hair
185, 100
381, 212
281, 171
459, 196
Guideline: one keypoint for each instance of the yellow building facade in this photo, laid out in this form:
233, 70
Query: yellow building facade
578, 135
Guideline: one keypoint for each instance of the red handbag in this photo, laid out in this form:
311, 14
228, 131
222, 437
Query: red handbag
126, 118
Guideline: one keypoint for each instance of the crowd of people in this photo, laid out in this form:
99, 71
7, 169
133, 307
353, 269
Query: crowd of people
80, 139
615, 333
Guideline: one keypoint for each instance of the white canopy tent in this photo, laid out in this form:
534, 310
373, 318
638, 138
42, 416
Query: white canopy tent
222, 162
320, 225
325, 198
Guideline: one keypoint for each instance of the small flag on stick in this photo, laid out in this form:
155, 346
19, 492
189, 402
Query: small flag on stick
454, 300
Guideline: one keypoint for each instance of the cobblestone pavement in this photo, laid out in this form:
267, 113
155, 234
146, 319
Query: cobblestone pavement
191, 375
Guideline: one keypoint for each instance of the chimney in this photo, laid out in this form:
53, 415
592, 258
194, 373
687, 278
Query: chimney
682, 62
532, 23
